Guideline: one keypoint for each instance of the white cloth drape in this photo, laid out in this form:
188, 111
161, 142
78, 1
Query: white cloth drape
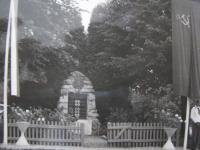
14, 52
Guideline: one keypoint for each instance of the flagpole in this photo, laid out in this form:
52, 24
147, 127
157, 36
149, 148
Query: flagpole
5, 90
187, 123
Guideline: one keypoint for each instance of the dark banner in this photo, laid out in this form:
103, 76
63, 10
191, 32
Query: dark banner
181, 37
195, 63
186, 47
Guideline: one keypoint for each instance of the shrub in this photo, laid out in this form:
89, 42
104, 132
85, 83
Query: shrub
169, 119
117, 115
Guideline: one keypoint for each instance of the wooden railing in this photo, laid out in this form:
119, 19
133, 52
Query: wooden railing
48, 133
138, 135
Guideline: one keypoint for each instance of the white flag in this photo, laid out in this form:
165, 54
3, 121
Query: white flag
14, 52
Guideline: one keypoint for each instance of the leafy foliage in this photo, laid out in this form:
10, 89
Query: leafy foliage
39, 114
131, 38
46, 62
128, 45
169, 119
117, 115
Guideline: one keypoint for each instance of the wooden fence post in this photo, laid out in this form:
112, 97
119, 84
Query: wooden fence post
82, 133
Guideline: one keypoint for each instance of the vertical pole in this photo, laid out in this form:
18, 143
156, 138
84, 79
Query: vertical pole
5, 90
12, 23
183, 116
186, 123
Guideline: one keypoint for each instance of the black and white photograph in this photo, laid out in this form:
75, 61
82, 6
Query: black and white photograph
99, 74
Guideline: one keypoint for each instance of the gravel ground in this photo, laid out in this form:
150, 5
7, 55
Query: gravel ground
14, 147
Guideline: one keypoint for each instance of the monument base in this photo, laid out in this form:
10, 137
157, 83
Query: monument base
87, 126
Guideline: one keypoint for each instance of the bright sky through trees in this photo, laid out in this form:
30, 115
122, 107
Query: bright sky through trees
87, 7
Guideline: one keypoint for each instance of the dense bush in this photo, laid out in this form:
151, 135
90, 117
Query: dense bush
117, 115
160, 106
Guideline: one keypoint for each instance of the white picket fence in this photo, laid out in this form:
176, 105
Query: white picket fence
48, 133
138, 135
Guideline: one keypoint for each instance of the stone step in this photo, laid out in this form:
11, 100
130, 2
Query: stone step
94, 141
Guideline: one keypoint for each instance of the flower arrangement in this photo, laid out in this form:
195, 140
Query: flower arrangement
170, 119
38, 114
19, 114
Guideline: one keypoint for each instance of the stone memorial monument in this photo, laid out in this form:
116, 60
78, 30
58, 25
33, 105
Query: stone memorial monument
78, 99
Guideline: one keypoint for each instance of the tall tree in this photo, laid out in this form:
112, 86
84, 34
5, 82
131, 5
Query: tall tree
43, 64
129, 45
133, 40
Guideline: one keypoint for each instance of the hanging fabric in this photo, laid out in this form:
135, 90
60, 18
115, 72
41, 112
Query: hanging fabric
186, 48
195, 51
181, 37
14, 52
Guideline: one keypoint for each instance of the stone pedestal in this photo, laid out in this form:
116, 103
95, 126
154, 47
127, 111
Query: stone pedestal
169, 145
22, 139
87, 126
